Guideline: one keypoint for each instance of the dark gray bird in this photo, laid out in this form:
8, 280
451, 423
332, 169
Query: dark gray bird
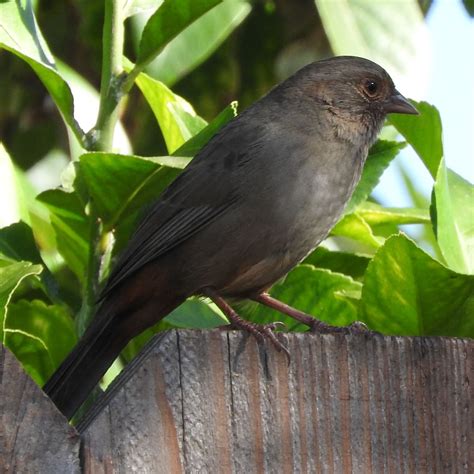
263, 193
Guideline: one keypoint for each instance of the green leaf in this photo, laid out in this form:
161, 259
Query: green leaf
455, 219
11, 275
195, 314
380, 156
195, 143
423, 132
172, 17
71, 226
315, 291
469, 6
17, 242
408, 293
119, 185
347, 263
176, 117
355, 227
20, 34
374, 214
40, 336
197, 42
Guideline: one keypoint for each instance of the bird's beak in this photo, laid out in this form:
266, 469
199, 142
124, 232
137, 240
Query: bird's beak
397, 104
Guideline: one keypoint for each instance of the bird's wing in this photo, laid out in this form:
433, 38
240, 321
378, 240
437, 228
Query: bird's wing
204, 191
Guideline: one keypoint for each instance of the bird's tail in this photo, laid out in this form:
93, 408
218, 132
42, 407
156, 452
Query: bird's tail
101, 344
82, 369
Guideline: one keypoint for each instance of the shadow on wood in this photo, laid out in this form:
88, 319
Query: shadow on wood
215, 402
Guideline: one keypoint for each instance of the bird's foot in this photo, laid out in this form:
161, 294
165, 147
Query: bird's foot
357, 327
314, 324
261, 332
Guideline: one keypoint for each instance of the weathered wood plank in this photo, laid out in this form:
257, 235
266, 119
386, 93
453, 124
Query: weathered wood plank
215, 402
34, 436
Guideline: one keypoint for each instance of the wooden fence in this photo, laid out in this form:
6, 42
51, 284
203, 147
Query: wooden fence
216, 402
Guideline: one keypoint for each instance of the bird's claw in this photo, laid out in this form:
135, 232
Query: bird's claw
357, 327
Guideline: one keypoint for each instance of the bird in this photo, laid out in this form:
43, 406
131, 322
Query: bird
254, 202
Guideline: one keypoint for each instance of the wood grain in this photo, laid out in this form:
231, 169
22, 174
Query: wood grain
34, 436
217, 402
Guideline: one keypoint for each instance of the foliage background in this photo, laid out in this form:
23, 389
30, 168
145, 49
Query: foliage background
53, 261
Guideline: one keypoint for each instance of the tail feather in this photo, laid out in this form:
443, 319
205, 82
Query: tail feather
83, 368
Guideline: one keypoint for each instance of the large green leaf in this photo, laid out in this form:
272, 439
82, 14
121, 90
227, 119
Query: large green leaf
119, 185
172, 17
455, 219
380, 156
40, 336
423, 132
176, 117
408, 293
197, 42
20, 34
11, 275
315, 291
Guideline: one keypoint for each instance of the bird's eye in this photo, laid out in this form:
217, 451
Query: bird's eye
371, 88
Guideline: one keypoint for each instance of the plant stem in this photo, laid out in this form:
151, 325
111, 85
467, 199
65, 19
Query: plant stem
101, 138
110, 91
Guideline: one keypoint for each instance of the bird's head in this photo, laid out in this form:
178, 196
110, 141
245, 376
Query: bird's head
356, 93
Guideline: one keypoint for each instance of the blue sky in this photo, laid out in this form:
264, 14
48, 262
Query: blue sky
452, 82
451, 90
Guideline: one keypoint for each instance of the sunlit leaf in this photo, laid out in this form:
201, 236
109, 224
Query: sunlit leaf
176, 116
315, 291
353, 226
455, 219
406, 292
423, 132
374, 214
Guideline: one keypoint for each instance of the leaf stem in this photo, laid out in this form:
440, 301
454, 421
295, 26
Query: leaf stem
101, 136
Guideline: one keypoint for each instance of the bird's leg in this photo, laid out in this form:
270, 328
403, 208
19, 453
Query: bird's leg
315, 325
259, 331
